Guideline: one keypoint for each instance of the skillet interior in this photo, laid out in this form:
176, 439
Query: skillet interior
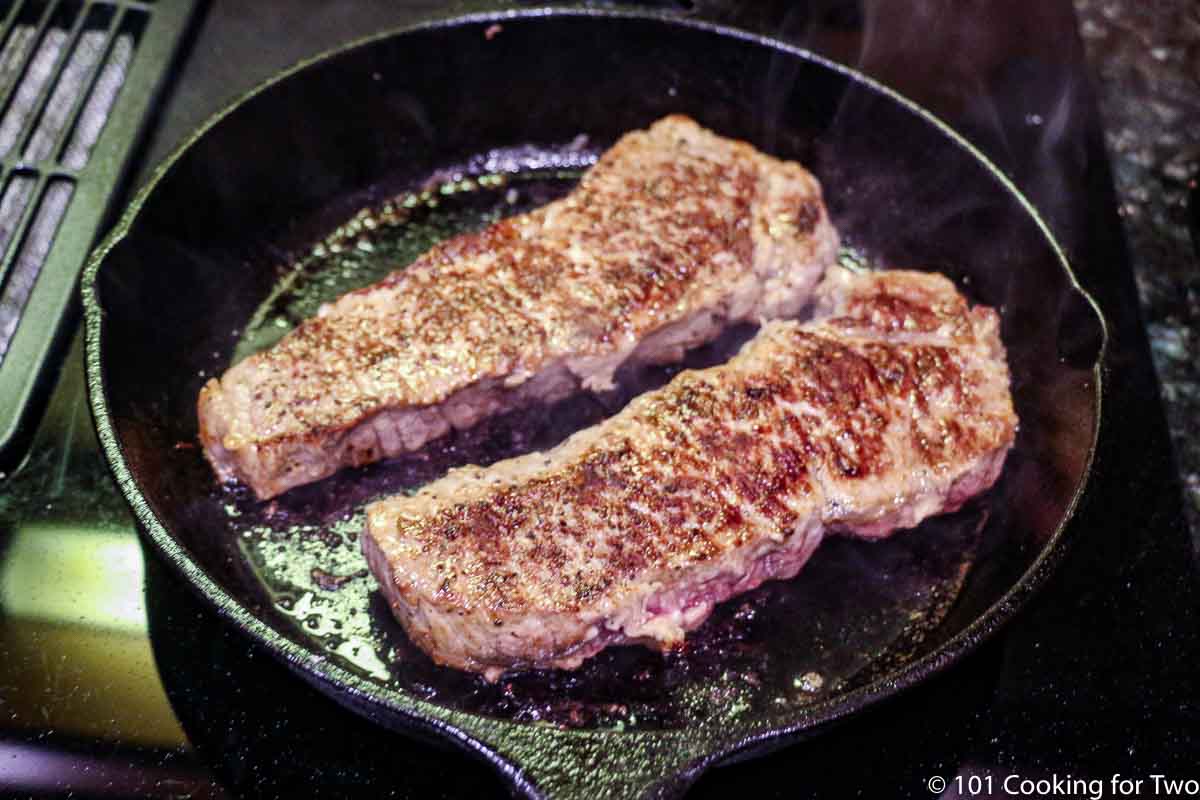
214, 235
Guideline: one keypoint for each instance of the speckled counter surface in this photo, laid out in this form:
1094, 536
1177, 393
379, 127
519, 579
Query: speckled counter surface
1145, 61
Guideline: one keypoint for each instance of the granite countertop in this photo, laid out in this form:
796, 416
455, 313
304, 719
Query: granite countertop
1145, 61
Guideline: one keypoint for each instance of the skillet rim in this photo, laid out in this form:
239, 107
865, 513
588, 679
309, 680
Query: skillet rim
484, 736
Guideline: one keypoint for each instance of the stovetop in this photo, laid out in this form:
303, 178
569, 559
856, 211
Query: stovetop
116, 682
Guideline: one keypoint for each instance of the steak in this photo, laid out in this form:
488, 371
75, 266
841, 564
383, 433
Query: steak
673, 235
892, 405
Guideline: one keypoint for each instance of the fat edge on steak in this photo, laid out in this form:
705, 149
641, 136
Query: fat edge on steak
892, 405
674, 234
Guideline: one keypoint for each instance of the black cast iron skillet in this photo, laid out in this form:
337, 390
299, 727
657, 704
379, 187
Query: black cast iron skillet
234, 239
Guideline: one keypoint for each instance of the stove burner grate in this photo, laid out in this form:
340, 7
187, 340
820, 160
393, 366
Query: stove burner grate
77, 82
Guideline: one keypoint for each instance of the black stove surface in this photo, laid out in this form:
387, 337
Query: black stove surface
109, 690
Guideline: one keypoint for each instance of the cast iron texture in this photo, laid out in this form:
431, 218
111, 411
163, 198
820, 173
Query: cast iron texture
168, 292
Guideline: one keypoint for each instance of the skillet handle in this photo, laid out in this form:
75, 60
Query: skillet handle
543, 763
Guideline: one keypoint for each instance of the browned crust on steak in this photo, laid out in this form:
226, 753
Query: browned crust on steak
674, 234
892, 407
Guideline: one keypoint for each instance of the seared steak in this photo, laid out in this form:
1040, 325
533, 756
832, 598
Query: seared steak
673, 235
891, 406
